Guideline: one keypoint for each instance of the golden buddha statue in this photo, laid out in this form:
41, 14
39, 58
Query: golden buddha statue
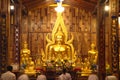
79, 62
59, 47
93, 55
30, 68
85, 67
59, 50
24, 55
26, 62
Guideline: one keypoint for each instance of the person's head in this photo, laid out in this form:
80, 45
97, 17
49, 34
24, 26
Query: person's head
42, 71
64, 70
9, 68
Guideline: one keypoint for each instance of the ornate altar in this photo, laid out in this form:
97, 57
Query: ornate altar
59, 52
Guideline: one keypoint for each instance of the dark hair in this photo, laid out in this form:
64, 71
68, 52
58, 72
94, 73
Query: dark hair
64, 70
9, 68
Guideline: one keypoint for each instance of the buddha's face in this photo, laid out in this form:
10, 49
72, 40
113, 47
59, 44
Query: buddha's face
25, 45
59, 38
92, 46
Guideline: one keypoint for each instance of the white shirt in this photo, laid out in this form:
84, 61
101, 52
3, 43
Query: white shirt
41, 77
65, 76
93, 77
8, 76
23, 77
111, 78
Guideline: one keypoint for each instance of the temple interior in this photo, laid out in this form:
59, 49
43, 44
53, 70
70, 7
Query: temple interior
80, 35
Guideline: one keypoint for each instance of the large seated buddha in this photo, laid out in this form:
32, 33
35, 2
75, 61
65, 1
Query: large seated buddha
59, 50
58, 47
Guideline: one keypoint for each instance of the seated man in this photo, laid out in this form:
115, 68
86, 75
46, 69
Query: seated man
8, 75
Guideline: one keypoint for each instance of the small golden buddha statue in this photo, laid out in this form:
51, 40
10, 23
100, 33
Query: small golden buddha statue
24, 55
108, 69
86, 67
30, 68
26, 62
78, 62
93, 54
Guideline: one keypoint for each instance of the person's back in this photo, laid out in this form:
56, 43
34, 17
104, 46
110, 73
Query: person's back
65, 75
41, 76
23, 77
8, 75
111, 77
93, 76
